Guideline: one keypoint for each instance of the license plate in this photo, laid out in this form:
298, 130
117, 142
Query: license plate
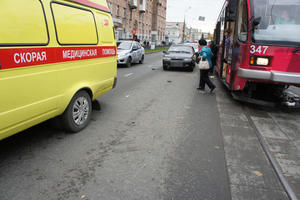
176, 64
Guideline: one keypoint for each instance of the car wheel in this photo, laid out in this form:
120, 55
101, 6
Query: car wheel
142, 59
165, 67
128, 64
78, 113
191, 68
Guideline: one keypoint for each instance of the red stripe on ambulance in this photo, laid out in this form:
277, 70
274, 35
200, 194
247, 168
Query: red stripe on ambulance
92, 4
24, 57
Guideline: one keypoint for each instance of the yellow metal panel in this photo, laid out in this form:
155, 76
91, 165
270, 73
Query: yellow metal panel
22, 22
36, 93
29, 93
105, 25
74, 25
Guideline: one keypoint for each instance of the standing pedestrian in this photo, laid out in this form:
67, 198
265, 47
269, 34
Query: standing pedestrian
214, 50
226, 53
205, 53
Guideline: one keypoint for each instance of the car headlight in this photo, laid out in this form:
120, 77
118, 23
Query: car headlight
121, 56
187, 59
167, 58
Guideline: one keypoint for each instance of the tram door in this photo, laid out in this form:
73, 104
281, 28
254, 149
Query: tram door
228, 41
238, 51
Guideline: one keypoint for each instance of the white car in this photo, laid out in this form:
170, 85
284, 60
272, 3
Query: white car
130, 52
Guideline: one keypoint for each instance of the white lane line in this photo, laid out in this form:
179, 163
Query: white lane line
127, 75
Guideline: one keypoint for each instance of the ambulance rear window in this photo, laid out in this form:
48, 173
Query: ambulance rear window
73, 25
22, 23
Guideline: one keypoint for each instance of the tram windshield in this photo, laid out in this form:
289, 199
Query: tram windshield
279, 21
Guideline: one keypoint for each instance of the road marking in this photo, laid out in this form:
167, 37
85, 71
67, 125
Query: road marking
127, 75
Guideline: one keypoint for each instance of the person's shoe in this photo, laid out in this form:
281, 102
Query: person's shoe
212, 89
199, 88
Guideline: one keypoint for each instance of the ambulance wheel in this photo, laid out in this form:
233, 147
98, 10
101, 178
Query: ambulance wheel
128, 64
142, 59
78, 113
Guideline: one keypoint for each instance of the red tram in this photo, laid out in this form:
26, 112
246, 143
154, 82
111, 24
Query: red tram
259, 47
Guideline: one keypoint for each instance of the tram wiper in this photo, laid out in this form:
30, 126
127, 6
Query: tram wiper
254, 23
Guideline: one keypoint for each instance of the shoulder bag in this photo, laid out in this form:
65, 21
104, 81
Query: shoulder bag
203, 64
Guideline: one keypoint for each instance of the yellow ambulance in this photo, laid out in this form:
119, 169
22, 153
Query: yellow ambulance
56, 57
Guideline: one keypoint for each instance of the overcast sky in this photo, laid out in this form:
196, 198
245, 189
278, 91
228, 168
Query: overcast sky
209, 9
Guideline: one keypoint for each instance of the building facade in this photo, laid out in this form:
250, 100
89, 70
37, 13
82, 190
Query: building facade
146, 19
192, 34
174, 32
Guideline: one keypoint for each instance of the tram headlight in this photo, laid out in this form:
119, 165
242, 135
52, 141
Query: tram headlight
262, 61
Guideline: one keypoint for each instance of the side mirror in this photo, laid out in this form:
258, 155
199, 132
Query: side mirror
134, 49
165, 52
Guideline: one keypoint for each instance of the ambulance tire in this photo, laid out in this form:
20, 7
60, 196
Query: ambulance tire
78, 113
128, 64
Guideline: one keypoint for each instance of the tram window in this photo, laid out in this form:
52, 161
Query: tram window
242, 21
280, 21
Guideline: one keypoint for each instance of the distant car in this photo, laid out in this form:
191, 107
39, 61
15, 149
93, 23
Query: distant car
194, 45
181, 56
130, 52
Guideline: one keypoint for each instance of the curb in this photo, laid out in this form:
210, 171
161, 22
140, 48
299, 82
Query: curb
146, 53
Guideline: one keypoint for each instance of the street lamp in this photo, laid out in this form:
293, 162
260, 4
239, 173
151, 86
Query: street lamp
184, 22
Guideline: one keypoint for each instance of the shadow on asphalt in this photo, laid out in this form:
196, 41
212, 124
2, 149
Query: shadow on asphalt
39, 134
132, 65
179, 70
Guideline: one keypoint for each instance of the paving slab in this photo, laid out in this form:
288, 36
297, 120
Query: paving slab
255, 193
281, 132
250, 173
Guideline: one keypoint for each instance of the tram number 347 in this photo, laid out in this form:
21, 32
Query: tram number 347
258, 49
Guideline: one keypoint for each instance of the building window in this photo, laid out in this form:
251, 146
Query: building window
110, 5
125, 13
130, 14
117, 12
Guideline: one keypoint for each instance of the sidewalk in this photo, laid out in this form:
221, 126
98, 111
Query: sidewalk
251, 175
281, 132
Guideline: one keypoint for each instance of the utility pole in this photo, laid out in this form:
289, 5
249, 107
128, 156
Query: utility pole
183, 35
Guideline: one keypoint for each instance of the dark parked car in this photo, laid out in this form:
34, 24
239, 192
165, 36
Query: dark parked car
181, 56
194, 45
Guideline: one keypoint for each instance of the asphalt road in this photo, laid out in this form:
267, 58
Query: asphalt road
155, 137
